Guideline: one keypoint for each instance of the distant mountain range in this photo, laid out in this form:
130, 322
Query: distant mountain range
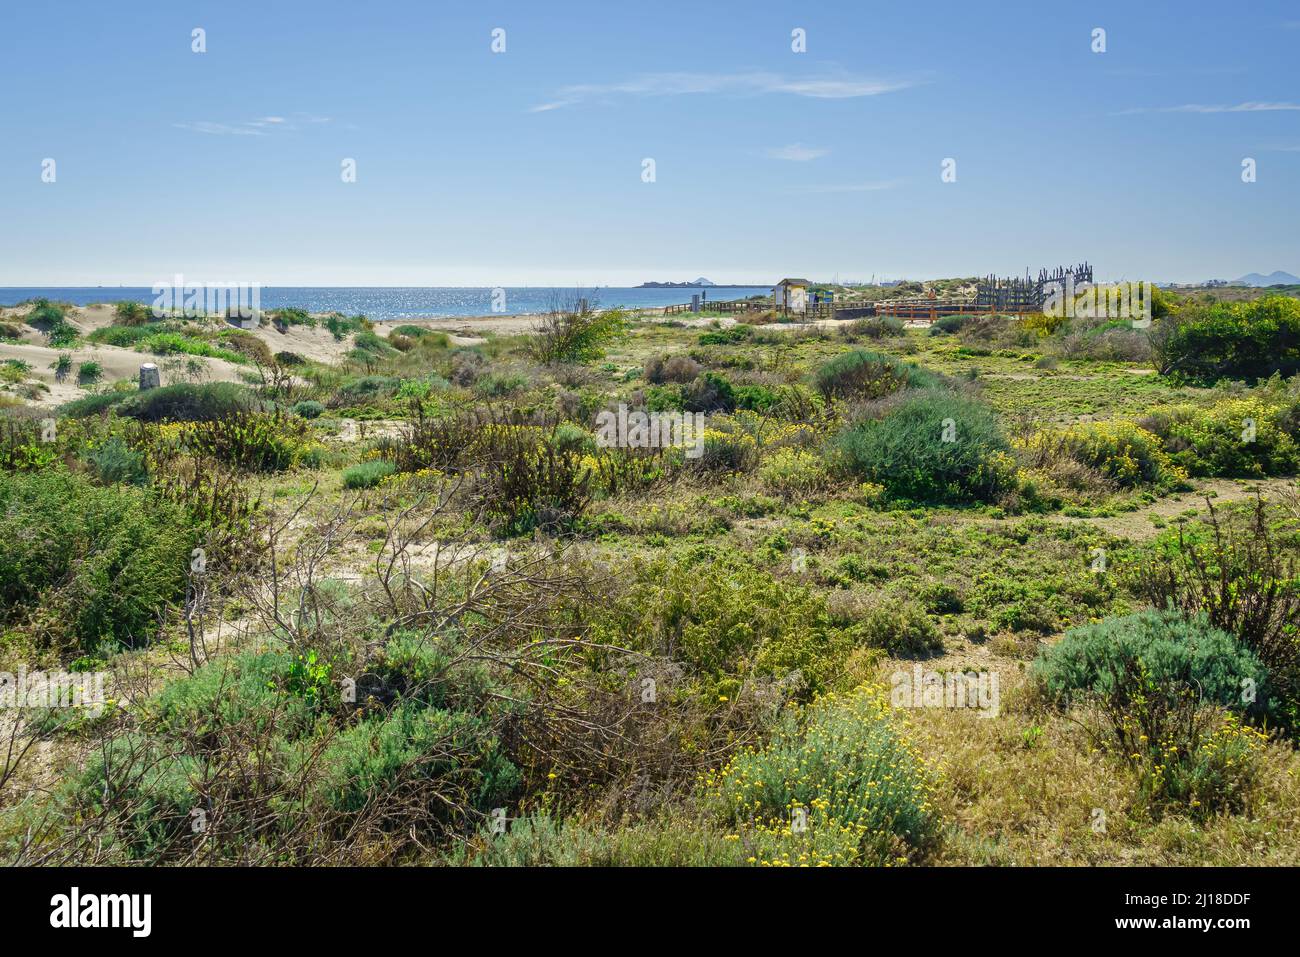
1278, 278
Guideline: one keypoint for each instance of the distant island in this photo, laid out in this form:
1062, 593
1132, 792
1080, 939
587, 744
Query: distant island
699, 283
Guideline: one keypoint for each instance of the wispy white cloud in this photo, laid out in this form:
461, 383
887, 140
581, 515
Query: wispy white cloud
848, 187
219, 129
1252, 106
796, 153
262, 126
830, 87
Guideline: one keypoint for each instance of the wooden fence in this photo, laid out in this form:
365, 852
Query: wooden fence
719, 305
913, 309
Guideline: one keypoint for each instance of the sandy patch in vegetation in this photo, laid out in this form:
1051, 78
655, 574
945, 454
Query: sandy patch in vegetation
117, 364
1140, 524
466, 330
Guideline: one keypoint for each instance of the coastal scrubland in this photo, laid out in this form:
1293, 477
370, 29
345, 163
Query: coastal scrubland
990, 591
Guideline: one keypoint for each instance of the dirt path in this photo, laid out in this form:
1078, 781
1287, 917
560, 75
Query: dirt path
1138, 525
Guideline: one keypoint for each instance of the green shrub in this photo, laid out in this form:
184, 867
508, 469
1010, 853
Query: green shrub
414, 332
124, 337
665, 398
528, 481
247, 345
725, 619
154, 785
730, 336
498, 384
89, 405
932, 447
292, 316
116, 462
51, 319
254, 441
1018, 604
61, 336
731, 451
1159, 681
305, 771
1240, 571
130, 314
1163, 649
543, 841
367, 388
797, 403
89, 372
942, 598
176, 343
422, 388
793, 472
308, 409
371, 342
1234, 340
575, 335
88, 565
1123, 452
24, 445
901, 628
836, 784
1235, 438
191, 403
341, 327
376, 758
756, 398
245, 688
874, 327
14, 370
947, 325
367, 474
868, 375
43, 311
710, 392
575, 438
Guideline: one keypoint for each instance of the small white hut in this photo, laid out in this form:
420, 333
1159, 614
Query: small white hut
791, 295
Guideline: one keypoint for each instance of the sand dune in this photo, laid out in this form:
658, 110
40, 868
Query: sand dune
117, 364
317, 344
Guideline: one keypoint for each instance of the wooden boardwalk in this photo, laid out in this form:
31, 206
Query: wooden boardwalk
913, 309
720, 305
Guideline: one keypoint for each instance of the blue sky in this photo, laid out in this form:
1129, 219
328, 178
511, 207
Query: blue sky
525, 167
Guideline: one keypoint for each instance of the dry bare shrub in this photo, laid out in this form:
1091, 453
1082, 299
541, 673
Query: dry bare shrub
466, 367
661, 369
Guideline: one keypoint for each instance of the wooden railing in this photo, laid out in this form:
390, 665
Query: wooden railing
719, 305
914, 309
